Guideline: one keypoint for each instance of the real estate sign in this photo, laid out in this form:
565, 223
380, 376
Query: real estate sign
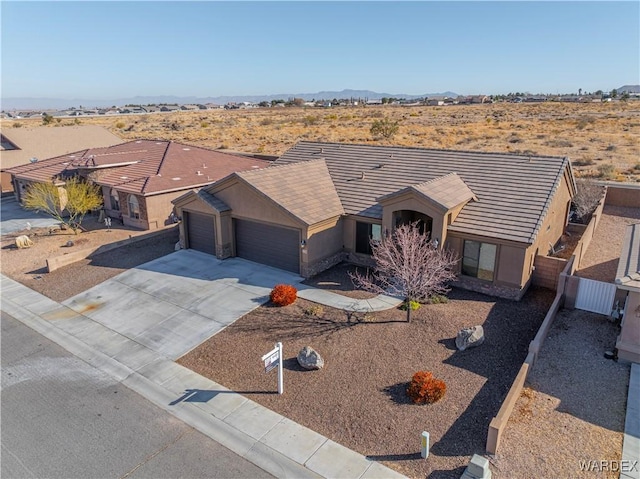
272, 359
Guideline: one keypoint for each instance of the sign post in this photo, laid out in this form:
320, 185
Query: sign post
272, 359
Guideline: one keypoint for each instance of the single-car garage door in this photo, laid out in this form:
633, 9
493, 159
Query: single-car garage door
267, 244
201, 234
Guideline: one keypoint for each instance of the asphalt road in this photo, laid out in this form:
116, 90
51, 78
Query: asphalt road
62, 418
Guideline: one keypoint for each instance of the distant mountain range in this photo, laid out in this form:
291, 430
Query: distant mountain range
7, 104
629, 89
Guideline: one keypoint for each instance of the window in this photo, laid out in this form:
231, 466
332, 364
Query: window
134, 207
365, 232
115, 200
479, 260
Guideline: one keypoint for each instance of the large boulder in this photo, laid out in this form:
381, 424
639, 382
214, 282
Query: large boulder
309, 359
470, 337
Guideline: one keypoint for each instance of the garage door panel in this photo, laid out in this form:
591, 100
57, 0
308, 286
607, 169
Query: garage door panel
201, 233
268, 244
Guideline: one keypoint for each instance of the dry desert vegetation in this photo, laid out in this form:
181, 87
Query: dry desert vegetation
601, 139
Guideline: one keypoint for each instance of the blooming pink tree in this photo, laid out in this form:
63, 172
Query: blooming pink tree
408, 265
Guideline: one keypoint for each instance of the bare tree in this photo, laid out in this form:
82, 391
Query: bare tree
408, 265
588, 195
67, 203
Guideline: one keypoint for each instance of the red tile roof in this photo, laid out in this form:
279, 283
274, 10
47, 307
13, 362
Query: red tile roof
145, 167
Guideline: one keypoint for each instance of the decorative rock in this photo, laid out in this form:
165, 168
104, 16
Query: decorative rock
23, 242
69, 244
470, 337
309, 359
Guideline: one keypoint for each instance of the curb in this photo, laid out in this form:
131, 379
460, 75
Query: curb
272, 442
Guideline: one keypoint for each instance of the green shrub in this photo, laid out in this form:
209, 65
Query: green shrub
315, 310
438, 299
410, 304
283, 295
425, 389
120, 125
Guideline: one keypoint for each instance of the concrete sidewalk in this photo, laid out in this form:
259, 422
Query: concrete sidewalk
338, 301
269, 440
631, 442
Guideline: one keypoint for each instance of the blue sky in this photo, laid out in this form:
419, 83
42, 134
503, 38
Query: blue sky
102, 50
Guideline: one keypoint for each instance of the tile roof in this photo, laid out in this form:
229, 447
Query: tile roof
145, 166
513, 192
628, 273
43, 142
446, 191
303, 189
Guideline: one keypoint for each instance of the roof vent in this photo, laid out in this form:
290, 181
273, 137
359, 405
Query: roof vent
208, 178
176, 178
139, 141
124, 177
186, 149
254, 166
362, 175
204, 165
33, 160
199, 173
379, 166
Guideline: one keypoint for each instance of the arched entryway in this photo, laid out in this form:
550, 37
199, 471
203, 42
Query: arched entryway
405, 217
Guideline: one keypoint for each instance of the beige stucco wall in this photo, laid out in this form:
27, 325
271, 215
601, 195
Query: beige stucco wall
552, 227
510, 259
628, 343
324, 239
246, 203
510, 268
159, 208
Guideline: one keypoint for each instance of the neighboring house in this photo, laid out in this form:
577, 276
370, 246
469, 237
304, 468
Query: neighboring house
139, 178
628, 279
20, 146
169, 108
322, 203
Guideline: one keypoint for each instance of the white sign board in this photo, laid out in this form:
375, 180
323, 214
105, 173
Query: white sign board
272, 359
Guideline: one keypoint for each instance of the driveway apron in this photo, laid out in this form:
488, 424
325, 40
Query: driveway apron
174, 303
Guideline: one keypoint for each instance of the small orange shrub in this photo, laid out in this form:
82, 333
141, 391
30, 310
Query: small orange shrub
283, 294
425, 389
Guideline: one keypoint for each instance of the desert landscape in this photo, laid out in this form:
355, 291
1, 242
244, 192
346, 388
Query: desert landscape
601, 139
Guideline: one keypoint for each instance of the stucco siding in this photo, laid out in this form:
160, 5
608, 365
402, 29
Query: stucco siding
511, 269
246, 203
324, 240
159, 208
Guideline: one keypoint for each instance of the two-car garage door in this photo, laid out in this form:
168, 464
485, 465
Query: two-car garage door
268, 244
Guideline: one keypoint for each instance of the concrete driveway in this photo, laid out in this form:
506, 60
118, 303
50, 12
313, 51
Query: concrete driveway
15, 218
174, 303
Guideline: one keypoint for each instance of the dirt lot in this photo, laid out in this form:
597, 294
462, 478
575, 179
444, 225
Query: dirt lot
602, 139
28, 266
359, 399
574, 406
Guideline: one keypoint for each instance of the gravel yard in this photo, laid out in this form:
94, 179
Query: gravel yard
28, 266
601, 261
573, 405
359, 399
